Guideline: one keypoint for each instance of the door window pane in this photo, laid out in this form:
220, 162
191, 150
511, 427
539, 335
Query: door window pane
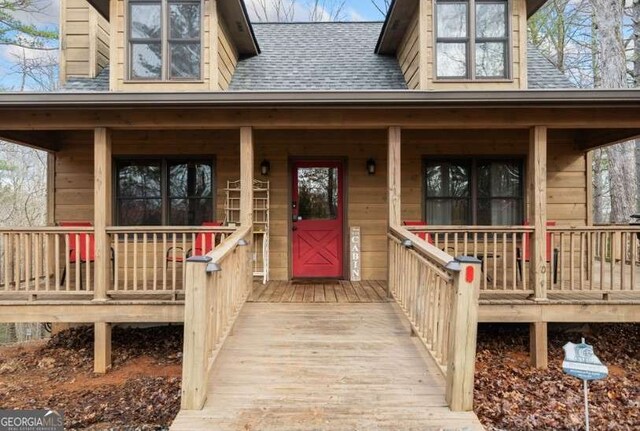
490, 60
318, 193
452, 20
491, 21
452, 60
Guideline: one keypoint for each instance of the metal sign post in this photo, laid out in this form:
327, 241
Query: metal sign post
581, 362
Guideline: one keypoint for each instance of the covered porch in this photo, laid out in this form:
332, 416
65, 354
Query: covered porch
548, 264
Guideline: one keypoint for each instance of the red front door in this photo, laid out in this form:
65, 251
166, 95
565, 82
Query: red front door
317, 219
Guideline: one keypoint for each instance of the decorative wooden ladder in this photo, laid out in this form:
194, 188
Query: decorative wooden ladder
260, 221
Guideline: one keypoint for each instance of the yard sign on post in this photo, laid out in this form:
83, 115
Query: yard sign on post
581, 362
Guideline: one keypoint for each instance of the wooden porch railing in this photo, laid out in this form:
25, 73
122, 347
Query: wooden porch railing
502, 251
58, 261
50, 260
597, 258
217, 285
439, 296
152, 259
601, 259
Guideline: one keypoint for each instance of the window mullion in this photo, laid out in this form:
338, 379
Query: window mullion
471, 16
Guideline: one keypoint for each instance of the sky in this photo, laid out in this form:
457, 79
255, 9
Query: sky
353, 10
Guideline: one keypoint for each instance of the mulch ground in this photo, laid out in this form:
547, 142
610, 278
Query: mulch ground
512, 395
142, 390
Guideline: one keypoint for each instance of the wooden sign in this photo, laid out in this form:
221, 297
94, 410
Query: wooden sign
354, 253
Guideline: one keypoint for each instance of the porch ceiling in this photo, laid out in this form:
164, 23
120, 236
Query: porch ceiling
584, 139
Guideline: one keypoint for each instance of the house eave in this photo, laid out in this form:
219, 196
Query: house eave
401, 98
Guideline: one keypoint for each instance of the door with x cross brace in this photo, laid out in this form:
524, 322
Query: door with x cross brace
317, 219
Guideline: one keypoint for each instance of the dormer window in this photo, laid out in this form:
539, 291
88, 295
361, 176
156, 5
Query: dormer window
165, 39
472, 39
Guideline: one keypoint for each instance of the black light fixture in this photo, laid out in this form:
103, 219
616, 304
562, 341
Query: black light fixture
371, 166
265, 167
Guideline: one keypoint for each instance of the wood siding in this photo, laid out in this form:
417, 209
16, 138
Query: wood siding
408, 54
227, 56
84, 40
366, 196
416, 53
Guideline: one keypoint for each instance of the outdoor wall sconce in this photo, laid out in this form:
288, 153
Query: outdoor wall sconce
371, 167
265, 168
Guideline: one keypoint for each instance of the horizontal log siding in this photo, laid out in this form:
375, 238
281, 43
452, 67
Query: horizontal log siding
408, 54
84, 39
227, 56
366, 195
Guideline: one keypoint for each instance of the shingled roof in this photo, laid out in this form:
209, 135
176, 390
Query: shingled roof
325, 57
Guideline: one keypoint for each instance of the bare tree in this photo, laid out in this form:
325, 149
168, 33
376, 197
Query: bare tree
611, 65
381, 6
297, 10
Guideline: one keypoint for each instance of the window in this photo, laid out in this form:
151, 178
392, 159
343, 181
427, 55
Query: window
169, 192
164, 39
472, 39
474, 192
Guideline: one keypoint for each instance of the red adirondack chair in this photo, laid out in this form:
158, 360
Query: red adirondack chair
82, 248
203, 244
526, 256
423, 235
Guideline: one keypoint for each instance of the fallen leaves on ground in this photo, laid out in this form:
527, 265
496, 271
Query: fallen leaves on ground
141, 391
512, 395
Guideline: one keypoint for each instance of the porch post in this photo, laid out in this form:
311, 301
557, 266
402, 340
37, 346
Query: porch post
246, 194
394, 175
394, 191
102, 211
537, 186
246, 176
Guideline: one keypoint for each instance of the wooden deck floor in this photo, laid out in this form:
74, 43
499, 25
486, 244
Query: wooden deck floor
324, 367
319, 291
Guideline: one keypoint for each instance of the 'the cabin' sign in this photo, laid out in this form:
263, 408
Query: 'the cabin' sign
354, 253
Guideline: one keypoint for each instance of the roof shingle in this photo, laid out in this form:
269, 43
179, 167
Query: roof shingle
318, 56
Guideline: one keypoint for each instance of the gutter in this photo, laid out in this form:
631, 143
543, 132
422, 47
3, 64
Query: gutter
393, 99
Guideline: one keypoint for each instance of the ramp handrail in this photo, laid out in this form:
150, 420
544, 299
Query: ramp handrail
217, 286
439, 296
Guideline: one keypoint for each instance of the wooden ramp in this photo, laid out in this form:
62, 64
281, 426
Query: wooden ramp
324, 367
